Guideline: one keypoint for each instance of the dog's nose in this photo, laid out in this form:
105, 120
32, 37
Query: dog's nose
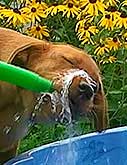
86, 89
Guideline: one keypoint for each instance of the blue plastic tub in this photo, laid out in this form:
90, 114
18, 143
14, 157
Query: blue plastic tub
107, 148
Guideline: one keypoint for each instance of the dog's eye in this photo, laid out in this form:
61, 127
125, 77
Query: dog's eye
86, 90
83, 86
68, 60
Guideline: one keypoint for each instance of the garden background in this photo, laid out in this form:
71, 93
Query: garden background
97, 26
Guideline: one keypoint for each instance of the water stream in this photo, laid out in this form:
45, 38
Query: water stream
62, 98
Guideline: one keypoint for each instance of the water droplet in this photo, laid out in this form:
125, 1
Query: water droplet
40, 109
33, 114
36, 107
53, 150
108, 161
7, 129
104, 149
26, 109
95, 161
17, 116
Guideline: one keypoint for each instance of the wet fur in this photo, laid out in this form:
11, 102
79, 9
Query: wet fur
48, 60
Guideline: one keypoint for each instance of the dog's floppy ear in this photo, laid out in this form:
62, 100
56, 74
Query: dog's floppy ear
17, 48
22, 55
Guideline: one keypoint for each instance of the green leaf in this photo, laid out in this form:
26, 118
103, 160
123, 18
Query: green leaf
120, 62
125, 105
124, 88
6, 2
115, 92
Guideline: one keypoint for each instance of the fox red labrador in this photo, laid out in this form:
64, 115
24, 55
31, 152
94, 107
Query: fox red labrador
48, 60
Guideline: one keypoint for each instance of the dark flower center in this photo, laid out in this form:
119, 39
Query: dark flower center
33, 10
54, 4
86, 27
111, 9
38, 1
125, 39
102, 45
92, 1
107, 16
16, 11
82, 8
114, 39
38, 28
70, 5
123, 15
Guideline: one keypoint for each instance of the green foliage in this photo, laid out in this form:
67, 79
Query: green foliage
115, 80
44, 134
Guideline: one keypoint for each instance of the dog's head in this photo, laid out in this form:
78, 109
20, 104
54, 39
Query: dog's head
54, 62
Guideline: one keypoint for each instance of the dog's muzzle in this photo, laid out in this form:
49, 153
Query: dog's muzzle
64, 103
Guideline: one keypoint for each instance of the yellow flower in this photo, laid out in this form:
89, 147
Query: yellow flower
93, 6
15, 16
125, 44
124, 38
109, 59
106, 21
112, 2
34, 11
85, 40
1, 8
75, 2
69, 9
112, 11
87, 31
23, 1
32, 2
1, 17
124, 3
82, 22
53, 10
113, 43
38, 31
85, 16
101, 49
39, 2
121, 21
112, 59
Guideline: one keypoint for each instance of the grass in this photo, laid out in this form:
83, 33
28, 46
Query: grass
44, 134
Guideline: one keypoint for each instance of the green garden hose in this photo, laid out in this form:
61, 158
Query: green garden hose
24, 78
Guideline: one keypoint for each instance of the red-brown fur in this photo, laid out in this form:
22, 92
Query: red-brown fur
48, 60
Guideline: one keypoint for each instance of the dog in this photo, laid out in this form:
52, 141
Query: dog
48, 60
